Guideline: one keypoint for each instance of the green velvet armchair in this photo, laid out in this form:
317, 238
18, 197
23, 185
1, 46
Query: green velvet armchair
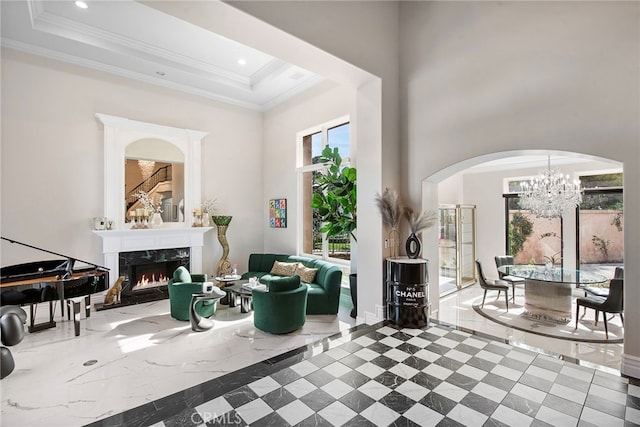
181, 287
281, 309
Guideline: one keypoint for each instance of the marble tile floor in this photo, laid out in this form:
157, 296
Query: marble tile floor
456, 309
381, 375
129, 356
138, 357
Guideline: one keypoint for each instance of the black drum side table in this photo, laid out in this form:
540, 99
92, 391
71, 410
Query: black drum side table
407, 292
199, 323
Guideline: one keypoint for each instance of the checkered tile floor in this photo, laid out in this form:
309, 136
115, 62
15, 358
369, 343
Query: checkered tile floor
437, 376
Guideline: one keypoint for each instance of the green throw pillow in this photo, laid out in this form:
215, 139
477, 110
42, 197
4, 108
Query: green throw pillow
181, 275
281, 284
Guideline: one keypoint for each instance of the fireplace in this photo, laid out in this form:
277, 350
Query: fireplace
149, 256
146, 274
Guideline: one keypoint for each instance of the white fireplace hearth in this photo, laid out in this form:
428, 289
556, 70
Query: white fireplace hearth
116, 241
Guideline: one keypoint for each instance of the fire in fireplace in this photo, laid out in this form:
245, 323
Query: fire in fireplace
147, 276
148, 272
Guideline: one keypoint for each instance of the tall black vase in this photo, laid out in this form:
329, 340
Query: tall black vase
413, 246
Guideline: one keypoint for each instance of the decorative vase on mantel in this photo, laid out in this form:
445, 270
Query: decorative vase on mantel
222, 223
156, 220
206, 219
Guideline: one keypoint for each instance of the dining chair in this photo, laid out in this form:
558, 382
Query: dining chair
492, 285
513, 280
618, 273
613, 303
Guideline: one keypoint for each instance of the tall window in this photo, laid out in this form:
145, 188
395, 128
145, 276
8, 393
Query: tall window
600, 237
531, 240
311, 142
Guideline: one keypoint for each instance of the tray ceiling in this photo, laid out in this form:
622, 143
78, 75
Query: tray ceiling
132, 40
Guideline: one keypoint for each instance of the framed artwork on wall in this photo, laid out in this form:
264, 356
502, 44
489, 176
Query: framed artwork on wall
278, 213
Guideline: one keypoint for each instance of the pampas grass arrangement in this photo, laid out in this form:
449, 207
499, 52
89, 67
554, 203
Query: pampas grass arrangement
390, 207
422, 221
391, 210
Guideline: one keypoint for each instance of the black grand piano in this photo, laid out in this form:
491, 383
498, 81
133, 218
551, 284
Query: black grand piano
50, 281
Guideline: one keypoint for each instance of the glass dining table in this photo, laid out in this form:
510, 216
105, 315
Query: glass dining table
548, 292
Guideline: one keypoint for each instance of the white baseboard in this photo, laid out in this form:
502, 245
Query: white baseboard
378, 316
630, 366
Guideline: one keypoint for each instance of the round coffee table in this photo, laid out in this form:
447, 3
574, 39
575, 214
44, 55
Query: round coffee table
237, 290
226, 281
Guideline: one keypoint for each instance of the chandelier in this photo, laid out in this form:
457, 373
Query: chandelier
146, 168
551, 195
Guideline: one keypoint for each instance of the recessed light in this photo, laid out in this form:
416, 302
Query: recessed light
242, 61
82, 4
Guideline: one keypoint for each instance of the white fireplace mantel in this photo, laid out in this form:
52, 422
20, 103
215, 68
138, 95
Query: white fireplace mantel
116, 241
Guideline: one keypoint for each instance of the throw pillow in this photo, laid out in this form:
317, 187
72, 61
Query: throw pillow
181, 275
306, 274
283, 268
281, 284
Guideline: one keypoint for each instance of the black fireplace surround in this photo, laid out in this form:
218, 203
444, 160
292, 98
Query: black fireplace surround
146, 273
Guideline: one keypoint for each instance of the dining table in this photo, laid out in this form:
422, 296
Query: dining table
548, 290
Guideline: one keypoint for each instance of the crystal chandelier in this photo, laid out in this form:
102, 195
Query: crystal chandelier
146, 168
551, 195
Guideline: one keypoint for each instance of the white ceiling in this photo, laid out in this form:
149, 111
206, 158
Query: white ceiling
132, 40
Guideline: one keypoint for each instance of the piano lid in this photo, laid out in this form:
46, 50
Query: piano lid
63, 268
33, 270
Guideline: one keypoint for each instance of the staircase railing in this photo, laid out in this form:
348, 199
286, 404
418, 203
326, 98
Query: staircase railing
161, 175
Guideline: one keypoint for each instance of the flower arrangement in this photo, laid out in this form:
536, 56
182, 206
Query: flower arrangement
209, 205
152, 206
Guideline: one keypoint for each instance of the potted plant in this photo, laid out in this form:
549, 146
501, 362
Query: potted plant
335, 200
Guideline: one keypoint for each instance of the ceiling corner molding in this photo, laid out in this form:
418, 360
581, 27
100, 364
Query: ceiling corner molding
307, 84
153, 47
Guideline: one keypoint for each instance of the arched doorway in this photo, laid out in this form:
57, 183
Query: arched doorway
483, 182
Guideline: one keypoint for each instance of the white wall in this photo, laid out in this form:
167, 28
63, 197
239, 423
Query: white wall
487, 77
52, 157
321, 104
450, 191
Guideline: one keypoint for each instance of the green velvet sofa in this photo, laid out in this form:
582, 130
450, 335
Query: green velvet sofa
323, 296
281, 309
181, 286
